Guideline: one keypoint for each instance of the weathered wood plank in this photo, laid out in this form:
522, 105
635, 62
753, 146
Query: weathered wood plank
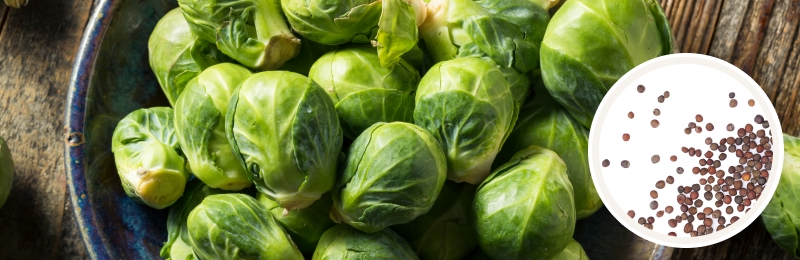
788, 101
775, 47
37, 48
730, 21
751, 35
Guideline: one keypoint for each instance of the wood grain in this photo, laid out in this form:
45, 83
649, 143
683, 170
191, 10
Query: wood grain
37, 47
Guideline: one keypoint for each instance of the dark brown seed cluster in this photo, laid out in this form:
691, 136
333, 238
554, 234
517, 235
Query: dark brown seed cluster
707, 205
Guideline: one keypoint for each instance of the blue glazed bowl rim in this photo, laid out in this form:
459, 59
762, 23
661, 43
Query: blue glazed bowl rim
74, 148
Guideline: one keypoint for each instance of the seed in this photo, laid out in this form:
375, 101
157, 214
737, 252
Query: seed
642, 220
666, 94
737, 185
703, 181
698, 130
717, 187
684, 149
687, 131
710, 127
631, 213
693, 233
734, 219
687, 228
730, 127
746, 202
738, 199
718, 203
698, 152
740, 132
760, 133
654, 123
672, 234
758, 190
651, 220
742, 160
655, 158
692, 125
765, 124
660, 213
653, 204
732, 149
719, 196
748, 155
679, 170
762, 181
672, 223
751, 102
727, 199
661, 99
720, 227
684, 208
759, 119
698, 118
707, 187
708, 195
723, 156
687, 189
696, 170
640, 88
714, 146
698, 203
752, 136
730, 140
746, 177
721, 220
656, 112
701, 216
670, 179
748, 128
681, 198
626, 137
606, 163
630, 114
668, 209
673, 158
653, 194
764, 173
709, 154
742, 192
694, 195
696, 187
733, 103
708, 222
729, 180
690, 218
717, 163
625, 164
708, 140
768, 153
740, 208
729, 210
738, 141
702, 162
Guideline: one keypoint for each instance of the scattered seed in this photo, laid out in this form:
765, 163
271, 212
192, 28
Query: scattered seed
765, 124
710, 127
673, 158
684, 149
708, 140
660, 213
625, 164
721, 220
723, 156
698, 203
626, 137
692, 125
734, 219
630, 115
740, 132
640, 88
653, 194
738, 199
729, 128
670, 179
679, 170
708, 195
708, 222
740, 208
656, 112
729, 210
668, 209
698, 130
687, 228
666, 94
654, 123
651, 220
759, 119
672, 234
748, 128
733, 103
655, 158
718, 203
681, 199
696, 170
642, 220
606, 163
687, 131
751, 102
661, 99
731, 95
672, 223
653, 204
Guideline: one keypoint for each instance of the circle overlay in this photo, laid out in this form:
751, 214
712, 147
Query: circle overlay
705, 82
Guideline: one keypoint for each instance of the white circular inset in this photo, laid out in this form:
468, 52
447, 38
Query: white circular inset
697, 85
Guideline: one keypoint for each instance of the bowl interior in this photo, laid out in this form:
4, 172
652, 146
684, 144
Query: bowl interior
120, 81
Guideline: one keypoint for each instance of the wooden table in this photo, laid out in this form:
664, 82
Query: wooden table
38, 45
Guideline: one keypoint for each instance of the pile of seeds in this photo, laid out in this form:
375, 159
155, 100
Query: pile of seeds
718, 192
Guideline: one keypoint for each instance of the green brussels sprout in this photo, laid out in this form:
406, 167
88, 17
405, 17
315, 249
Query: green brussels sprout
176, 55
544, 123
467, 105
310, 52
782, 215
445, 232
391, 23
573, 251
507, 32
394, 174
251, 32
6, 172
526, 208
305, 226
237, 226
365, 92
590, 44
284, 129
148, 157
177, 246
343, 242
200, 126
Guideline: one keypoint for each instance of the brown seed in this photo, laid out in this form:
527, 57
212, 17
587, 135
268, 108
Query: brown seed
730, 128
673, 158
684, 208
691, 151
631, 213
719, 196
759, 119
702, 181
661, 99
762, 180
626, 137
642, 220
688, 228
721, 220
708, 222
709, 154
746, 202
696, 170
625, 164
653, 194
708, 195
710, 127
718, 203
630, 114
708, 211
765, 124
679, 170
738, 199
606, 163
727, 199
670, 179
760, 133
693, 234
640, 88
729, 210
746, 177
672, 223
733, 103
720, 227
734, 219
751, 102
732, 149
672, 234
758, 190
731, 95
655, 158
696, 187
698, 118
702, 162
730, 140
668, 209
687, 189
716, 214
694, 195
723, 156
708, 140
698, 130
681, 198
651, 220
684, 149
740, 132
740, 208
748, 128
654, 204
654, 123
698, 203
714, 146
666, 94
698, 152
701, 216
660, 213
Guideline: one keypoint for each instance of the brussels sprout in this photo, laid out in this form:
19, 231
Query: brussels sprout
6, 172
365, 92
467, 105
507, 32
344, 242
200, 126
573, 251
391, 23
236, 226
310, 52
305, 226
284, 130
394, 174
530, 197
445, 232
177, 246
782, 215
148, 157
544, 123
176, 55
590, 44
251, 32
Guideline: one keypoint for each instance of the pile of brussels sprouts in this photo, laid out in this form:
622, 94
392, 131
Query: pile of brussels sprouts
379, 129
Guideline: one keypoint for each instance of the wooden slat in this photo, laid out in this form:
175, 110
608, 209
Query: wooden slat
777, 43
730, 20
788, 101
37, 48
750, 36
